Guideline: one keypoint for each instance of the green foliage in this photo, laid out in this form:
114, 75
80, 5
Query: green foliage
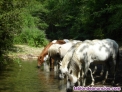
85, 19
33, 28
19, 24
32, 37
10, 21
30, 22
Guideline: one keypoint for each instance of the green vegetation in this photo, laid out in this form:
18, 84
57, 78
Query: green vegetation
32, 22
19, 24
31, 33
84, 19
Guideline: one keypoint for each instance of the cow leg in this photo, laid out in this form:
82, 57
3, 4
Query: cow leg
91, 77
102, 71
114, 71
55, 65
95, 69
84, 78
52, 63
85, 69
106, 76
46, 66
82, 75
56, 68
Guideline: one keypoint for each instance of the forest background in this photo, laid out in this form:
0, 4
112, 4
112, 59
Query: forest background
36, 22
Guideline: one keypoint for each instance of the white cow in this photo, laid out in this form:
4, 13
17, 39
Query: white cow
95, 51
57, 51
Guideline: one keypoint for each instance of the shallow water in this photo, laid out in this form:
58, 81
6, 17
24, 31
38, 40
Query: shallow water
25, 77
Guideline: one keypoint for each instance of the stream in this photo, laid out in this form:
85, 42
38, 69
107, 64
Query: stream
25, 77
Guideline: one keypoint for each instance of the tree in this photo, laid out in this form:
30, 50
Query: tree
85, 19
10, 21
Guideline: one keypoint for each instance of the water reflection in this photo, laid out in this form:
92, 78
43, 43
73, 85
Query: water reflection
27, 78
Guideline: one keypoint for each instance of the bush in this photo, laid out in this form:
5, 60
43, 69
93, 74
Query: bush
32, 37
32, 32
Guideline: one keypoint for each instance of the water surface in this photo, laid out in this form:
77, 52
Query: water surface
25, 77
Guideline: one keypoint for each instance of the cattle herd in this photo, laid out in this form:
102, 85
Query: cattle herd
72, 59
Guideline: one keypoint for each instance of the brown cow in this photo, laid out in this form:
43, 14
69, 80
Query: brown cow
44, 53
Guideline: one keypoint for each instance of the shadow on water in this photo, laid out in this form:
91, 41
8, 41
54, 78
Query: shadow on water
25, 77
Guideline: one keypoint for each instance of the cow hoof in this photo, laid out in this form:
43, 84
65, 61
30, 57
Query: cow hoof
92, 84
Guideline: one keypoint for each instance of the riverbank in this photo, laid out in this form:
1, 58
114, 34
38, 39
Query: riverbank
24, 52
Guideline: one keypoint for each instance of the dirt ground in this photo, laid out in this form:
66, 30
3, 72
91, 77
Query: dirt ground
25, 52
